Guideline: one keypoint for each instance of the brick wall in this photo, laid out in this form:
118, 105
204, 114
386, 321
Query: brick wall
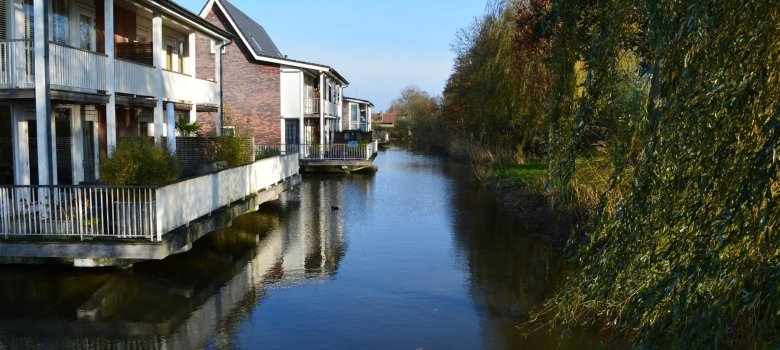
251, 90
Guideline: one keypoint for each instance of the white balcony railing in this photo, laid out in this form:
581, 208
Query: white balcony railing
182, 87
75, 68
134, 78
339, 151
70, 68
311, 106
332, 108
17, 69
132, 212
77, 211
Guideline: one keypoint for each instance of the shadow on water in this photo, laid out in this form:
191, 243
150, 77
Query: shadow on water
186, 301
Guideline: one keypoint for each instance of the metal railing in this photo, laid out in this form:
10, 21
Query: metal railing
129, 212
17, 68
78, 211
335, 151
268, 150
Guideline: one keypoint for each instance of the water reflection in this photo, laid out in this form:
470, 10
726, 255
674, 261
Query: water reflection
186, 301
513, 268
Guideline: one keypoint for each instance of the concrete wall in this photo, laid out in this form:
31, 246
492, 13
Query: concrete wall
185, 201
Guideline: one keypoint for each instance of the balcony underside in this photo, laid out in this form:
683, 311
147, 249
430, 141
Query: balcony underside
56, 96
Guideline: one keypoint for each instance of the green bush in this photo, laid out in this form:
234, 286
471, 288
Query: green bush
234, 151
138, 161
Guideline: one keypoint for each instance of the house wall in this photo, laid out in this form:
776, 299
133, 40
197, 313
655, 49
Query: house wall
251, 90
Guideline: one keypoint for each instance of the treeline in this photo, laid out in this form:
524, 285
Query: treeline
679, 101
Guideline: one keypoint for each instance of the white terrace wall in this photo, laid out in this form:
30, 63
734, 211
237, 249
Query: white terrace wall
182, 202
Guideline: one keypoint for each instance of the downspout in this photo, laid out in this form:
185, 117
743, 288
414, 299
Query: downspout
221, 93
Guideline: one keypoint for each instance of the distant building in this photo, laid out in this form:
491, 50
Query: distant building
384, 120
357, 114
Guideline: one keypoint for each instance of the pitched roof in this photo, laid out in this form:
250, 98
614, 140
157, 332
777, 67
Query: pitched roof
358, 100
254, 33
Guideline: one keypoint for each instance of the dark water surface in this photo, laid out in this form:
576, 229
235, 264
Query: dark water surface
415, 256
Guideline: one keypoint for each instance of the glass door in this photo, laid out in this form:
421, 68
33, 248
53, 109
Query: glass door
62, 124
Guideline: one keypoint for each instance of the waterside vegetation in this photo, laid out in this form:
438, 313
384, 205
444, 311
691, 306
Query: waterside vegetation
668, 111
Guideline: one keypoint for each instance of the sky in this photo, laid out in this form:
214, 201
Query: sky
379, 46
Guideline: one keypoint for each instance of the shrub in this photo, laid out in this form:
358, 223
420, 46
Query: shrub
137, 161
235, 151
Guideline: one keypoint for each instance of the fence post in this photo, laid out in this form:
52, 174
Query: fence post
159, 212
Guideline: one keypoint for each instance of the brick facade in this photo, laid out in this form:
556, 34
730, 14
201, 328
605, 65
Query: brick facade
251, 90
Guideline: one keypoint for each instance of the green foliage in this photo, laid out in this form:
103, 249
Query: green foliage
421, 115
233, 150
679, 102
187, 129
685, 251
137, 161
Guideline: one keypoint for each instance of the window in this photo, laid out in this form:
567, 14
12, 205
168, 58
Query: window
169, 51
60, 24
85, 32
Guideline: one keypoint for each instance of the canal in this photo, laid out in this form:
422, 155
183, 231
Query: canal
415, 256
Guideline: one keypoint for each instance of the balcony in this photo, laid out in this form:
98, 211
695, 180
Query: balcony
70, 68
312, 106
183, 87
74, 69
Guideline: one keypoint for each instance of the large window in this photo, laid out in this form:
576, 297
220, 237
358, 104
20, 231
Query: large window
60, 24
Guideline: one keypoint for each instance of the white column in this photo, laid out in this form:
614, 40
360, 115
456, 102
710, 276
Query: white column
110, 77
191, 52
369, 110
340, 108
322, 108
43, 116
193, 69
77, 146
218, 79
302, 116
171, 128
158, 58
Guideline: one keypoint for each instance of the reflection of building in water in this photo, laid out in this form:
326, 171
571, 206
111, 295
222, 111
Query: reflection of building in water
181, 302
314, 230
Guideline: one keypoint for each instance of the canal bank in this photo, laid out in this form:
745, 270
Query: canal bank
414, 256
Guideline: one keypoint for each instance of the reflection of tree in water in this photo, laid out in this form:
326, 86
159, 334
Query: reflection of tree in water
512, 269
185, 300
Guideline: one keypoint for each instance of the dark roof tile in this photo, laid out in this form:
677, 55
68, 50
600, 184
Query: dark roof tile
254, 33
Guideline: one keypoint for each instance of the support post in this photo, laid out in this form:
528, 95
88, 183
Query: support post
158, 59
171, 130
322, 109
43, 111
110, 77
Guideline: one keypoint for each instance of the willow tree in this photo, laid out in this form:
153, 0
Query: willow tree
685, 252
490, 96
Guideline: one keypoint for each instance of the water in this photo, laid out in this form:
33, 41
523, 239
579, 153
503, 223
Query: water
414, 257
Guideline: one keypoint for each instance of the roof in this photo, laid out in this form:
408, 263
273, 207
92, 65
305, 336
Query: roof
358, 100
187, 14
255, 34
385, 117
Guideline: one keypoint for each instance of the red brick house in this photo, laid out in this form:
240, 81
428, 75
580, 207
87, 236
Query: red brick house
266, 95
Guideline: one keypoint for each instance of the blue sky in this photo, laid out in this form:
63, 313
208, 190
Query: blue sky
379, 46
